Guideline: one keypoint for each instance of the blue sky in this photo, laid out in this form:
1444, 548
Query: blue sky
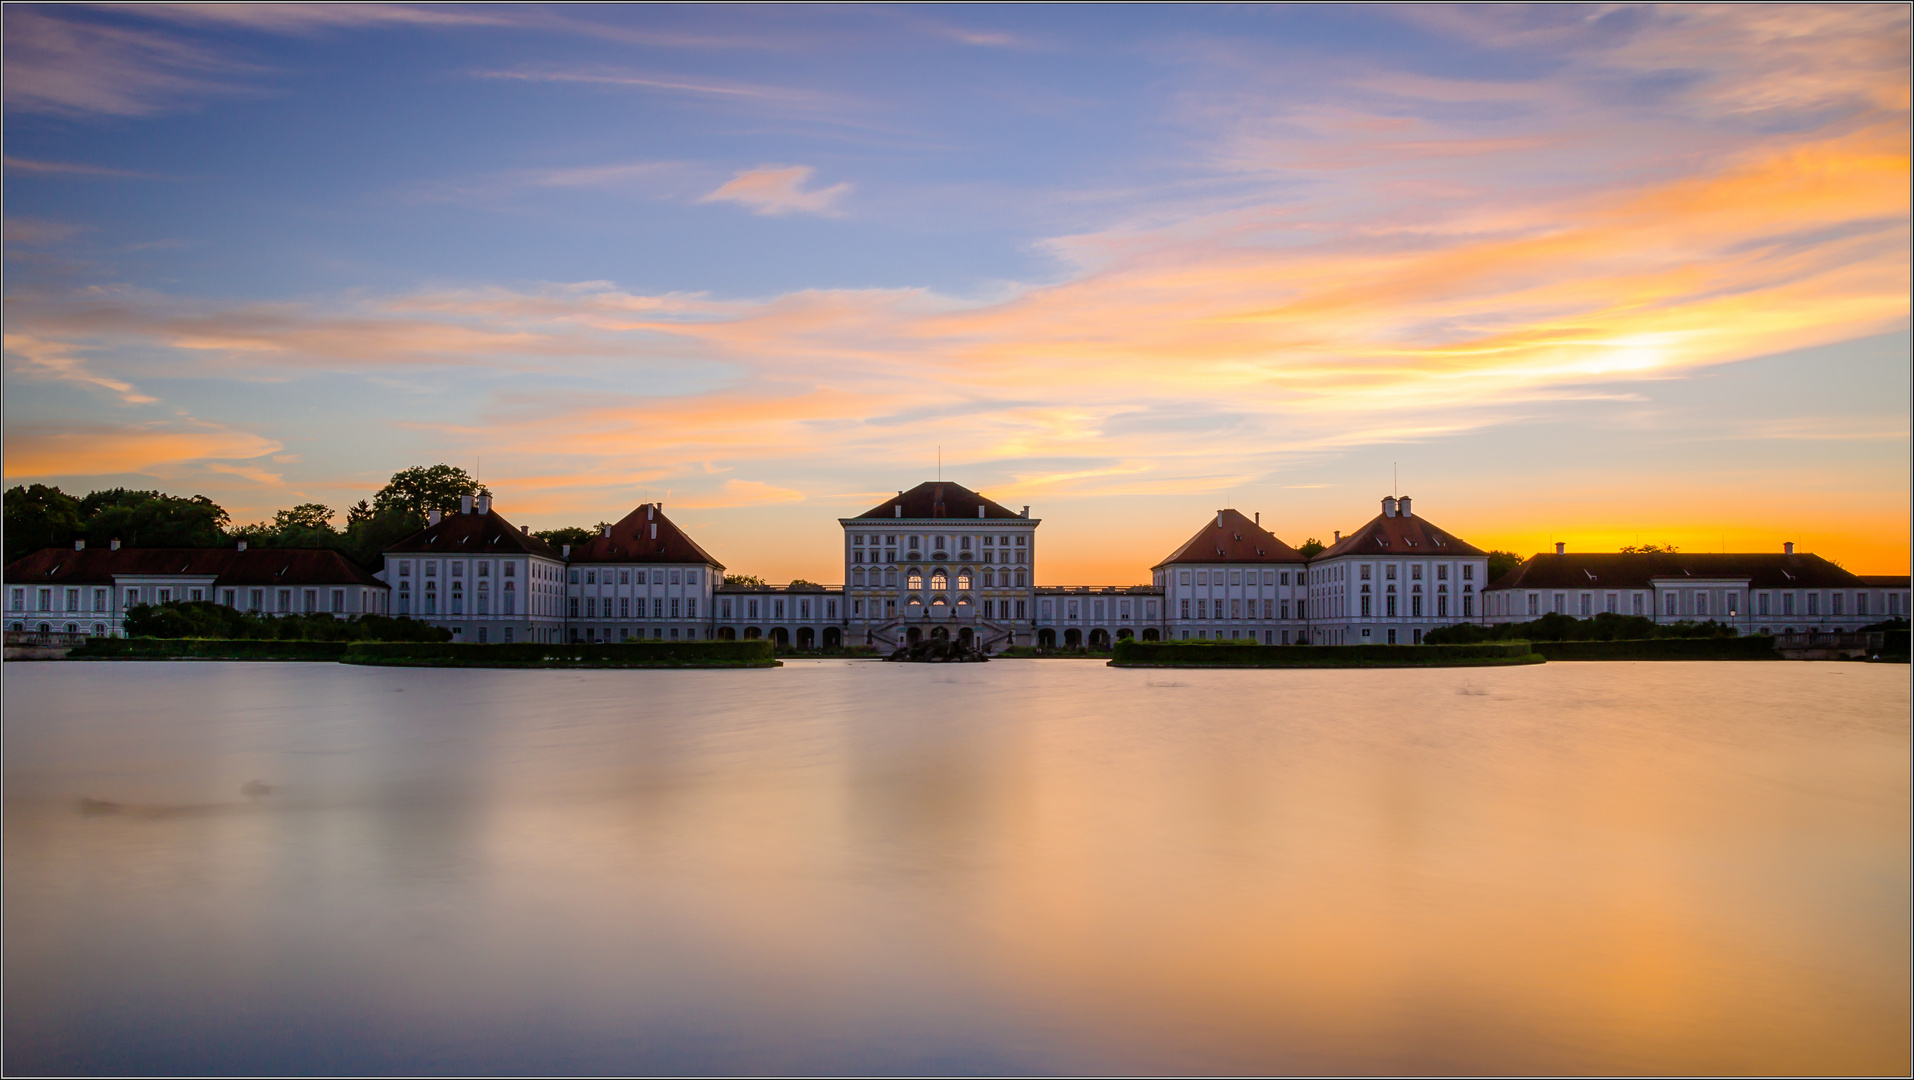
1577, 272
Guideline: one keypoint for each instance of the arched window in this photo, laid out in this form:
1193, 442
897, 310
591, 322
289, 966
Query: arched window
915, 580
963, 579
938, 581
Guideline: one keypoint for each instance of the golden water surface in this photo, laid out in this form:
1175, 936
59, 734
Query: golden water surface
1022, 866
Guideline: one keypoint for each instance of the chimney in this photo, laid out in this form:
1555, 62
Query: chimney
1403, 507
431, 517
566, 551
651, 511
1787, 548
1389, 506
1561, 548
980, 509
483, 504
79, 545
1338, 536
525, 530
607, 532
1259, 517
113, 545
465, 504
242, 545
1219, 519
1026, 511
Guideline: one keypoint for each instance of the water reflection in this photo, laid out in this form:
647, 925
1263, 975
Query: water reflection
1021, 866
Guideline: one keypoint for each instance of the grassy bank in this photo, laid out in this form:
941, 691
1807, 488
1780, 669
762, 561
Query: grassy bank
634, 654
1232, 655
1708, 648
110, 648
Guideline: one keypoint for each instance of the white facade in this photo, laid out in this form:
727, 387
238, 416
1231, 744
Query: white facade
1393, 581
958, 576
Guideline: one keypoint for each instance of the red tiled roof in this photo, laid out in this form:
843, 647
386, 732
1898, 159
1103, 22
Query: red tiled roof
939, 499
1229, 537
1398, 536
638, 538
474, 534
1613, 570
228, 566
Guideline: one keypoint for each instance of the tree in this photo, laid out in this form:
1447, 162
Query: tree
423, 489
357, 512
153, 519
752, 580
1649, 549
304, 516
577, 534
39, 516
1501, 562
1311, 548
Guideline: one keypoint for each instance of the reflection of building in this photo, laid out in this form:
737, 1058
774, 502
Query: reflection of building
88, 591
476, 575
1783, 592
1393, 580
940, 561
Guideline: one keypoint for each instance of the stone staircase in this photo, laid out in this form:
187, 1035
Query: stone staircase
892, 634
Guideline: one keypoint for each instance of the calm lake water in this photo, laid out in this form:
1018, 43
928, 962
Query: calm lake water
1022, 866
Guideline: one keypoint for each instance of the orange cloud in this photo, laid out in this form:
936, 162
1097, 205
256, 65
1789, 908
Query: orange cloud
100, 450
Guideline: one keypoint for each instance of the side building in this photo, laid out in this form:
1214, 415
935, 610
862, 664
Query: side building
88, 591
477, 575
1233, 580
642, 578
940, 562
1393, 580
1782, 592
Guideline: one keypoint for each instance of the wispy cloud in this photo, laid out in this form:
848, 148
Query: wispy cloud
35, 358
680, 84
74, 67
66, 168
779, 189
105, 450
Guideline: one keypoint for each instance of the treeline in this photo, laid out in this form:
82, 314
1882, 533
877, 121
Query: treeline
1556, 627
202, 619
39, 516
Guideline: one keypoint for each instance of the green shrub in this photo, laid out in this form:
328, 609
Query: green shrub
1557, 627
203, 619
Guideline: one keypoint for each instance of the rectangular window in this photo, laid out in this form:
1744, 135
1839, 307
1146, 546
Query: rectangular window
1442, 607
99, 599
256, 601
1860, 603
405, 567
1468, 605
431, 569
1761, 604
624, 577
1534, 603
1442, 572
674, 577
18, 601
1235, 577
691, 607
1285, 610
1814, 603
73, 599
1468, 572
674, 608
1671, 604
574, 607
1415, 572
1415, 607
1636, 604
338, 600
1701, 603
1186, 609
591, 607
1285, 580
1585, 603
1610, 604
624, 607
1365, 572
591, 577
1787, 603
510, 571
1734, 603
658, 609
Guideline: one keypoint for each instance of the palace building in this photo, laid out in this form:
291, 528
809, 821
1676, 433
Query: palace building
86, 591
1782, 592
941, 561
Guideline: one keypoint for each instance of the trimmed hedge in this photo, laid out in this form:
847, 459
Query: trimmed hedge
112, 648
528, 654
1712, 648
1132, 653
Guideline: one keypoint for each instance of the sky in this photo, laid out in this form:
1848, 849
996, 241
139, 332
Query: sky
1597, 275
